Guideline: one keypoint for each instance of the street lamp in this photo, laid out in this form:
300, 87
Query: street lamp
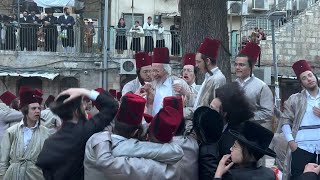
273, 17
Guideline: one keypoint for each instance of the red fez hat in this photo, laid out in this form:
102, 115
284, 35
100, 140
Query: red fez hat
252, 51
174, 102
50, 99
38, 92
161, 55
147, 117
7, 97
28, 97
113, 92
165, 124
131, 109
24, 88
210, 47
189, 59
100, 90
300, 67
143, 59
119, 95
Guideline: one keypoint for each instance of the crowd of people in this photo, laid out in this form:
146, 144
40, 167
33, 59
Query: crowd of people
44, 32
161, 126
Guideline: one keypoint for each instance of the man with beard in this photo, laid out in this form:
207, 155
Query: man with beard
51, 121
51, 32
143, 66
22, 143
300, 122
206, 62
164, 83
63, 153
257, 91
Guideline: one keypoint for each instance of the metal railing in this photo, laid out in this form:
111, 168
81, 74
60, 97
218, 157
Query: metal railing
124, 43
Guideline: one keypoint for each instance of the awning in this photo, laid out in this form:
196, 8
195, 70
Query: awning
54, 3
46, 75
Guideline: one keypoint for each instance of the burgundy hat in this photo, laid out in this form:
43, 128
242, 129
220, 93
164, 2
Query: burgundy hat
143, 59
119, 95
100, 90
113, 92
38, 92
300, 67
165, 124
174, 102
50, 99
189, 59
251, 50
28, 97
147, 117
161, 55
7, 97
131, 109
210, 47
24, 88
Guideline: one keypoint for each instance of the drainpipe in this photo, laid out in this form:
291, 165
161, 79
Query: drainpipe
105, 45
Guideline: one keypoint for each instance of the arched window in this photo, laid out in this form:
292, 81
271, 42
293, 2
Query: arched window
68, 82
32, 82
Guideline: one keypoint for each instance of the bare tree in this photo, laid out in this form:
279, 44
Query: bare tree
205, 18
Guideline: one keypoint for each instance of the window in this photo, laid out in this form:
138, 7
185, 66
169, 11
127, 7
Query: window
68, 82
32, 82
136, 17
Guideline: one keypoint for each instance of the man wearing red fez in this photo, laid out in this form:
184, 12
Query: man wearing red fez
124, 144
258, 92
143, 66
164, 83
63, 153
206, 62
8, 115
188, 71
300, 122
189, 163
50, 120
24, 141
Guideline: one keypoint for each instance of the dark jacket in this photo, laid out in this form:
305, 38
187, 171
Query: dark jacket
208, 161
226, 142
249, 173
309, 176
62, 154
64, 22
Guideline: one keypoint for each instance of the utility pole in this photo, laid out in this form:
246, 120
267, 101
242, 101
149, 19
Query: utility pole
105, 46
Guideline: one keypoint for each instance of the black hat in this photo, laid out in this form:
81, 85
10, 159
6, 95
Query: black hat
255, 137
208, 124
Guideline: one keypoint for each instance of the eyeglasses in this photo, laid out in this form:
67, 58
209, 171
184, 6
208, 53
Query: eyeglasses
187, 70
146, 71
240, 64
156, 71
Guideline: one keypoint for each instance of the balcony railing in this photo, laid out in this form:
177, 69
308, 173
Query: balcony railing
84, 39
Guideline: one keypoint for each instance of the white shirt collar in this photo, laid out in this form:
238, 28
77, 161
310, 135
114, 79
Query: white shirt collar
246, 80
310, 97
212, 70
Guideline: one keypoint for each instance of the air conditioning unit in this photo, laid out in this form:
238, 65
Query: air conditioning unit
127, 66
260, 5
263, 74
235, 8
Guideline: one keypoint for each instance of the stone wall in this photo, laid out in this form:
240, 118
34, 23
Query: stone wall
295, 40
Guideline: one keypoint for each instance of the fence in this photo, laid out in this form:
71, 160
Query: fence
85, 39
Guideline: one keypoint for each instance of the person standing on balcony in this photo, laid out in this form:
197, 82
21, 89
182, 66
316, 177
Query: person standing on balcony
148, 29
175, 39
50, 31
67, 22
89, 32
25, 31
300, 123
10, 33
121, 38
160, 43
137, 32
34, 20
143, 64
257, 91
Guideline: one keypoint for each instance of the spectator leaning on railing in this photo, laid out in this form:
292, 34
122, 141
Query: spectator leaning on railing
121, 39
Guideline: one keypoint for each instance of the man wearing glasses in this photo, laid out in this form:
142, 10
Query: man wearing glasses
258, 92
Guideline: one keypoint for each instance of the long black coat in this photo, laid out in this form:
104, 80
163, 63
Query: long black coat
63, 153
309, 176
208, 161
249, 173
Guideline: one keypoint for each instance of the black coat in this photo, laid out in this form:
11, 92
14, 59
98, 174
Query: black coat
63, 153
208, 161
226, 141
309, 176
249, 173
